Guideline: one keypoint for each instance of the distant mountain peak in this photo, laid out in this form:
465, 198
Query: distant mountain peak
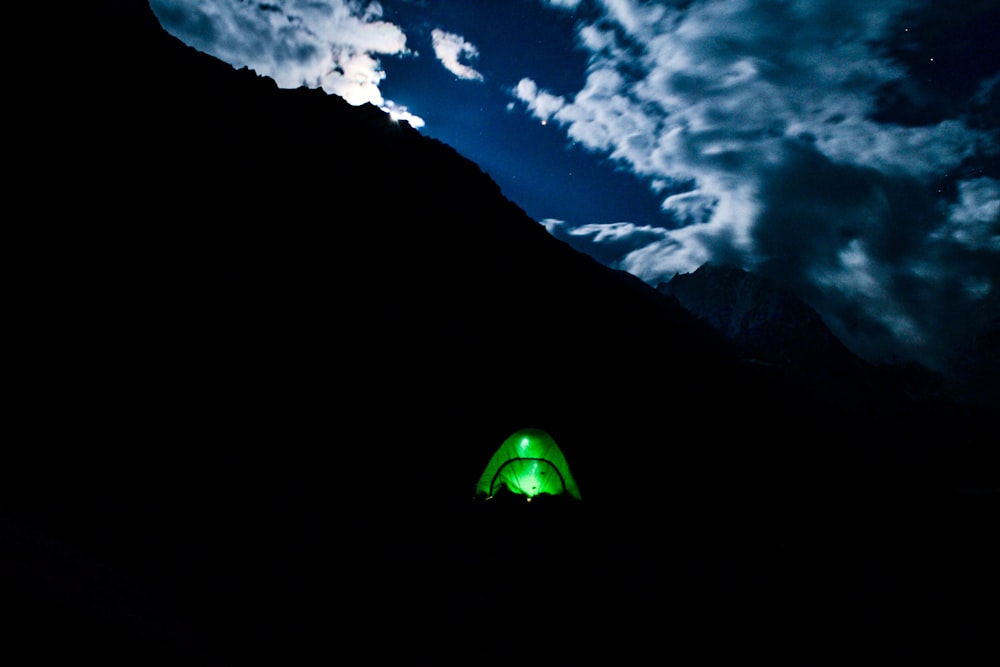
765, 323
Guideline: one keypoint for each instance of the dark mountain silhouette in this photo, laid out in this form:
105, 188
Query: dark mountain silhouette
768, 326
272, 340
764, 323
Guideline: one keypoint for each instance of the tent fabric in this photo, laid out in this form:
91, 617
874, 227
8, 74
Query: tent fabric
528, 463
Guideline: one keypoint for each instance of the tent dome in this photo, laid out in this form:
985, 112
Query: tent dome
528, 463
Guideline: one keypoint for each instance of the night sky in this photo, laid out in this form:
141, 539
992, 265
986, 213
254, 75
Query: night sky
847, 149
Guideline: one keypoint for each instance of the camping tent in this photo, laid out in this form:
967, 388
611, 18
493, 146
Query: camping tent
528, 463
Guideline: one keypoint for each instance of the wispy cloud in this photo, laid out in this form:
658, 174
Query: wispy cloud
759, 124
450, 49
608, 243
330, 44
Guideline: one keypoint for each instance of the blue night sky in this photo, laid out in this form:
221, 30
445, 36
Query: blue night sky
848, 149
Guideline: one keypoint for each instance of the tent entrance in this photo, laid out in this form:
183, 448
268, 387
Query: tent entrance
529, 477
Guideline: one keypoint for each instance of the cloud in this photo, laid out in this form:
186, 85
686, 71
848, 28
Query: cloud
562, 4
450, 49
608, 243
761, 125
398, 112
974, 220
330, 44
692, 207
541, 104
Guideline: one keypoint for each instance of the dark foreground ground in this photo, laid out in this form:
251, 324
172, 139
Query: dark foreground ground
292, 580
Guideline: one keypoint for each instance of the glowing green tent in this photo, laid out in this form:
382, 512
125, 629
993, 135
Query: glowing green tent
528, 463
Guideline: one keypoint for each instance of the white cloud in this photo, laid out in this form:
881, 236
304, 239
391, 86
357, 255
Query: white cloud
615, 231
613, 243
399, 112
691, 207
329, 44
920, 152
541, 104
861, 280
974, 220
634, 17
552, 224
450, 49
741, 98
562, 4
722, 86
